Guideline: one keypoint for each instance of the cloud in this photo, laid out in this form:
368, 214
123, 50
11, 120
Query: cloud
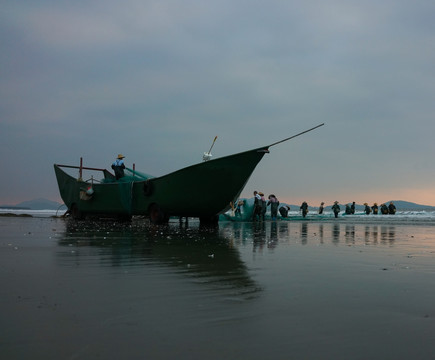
159, 79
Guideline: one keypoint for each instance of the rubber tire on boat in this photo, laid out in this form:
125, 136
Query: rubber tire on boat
148, 188
157, 215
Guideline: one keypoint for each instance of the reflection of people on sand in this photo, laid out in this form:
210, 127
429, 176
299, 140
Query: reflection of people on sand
259, 235
335, 233
304, 208
304, 233
388, 234
283, 210
274, 203
273, 235
350, 234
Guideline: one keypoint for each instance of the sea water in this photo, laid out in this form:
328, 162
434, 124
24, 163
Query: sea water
400, 216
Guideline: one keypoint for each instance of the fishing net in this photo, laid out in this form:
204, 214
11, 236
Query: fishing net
130, 175
125, 185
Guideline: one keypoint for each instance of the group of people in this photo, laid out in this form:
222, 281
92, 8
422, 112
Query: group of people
350, 209
385, 210
260, 207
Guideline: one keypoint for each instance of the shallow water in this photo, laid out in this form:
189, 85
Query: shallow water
288, 289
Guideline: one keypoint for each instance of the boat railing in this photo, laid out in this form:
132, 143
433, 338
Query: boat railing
131, 174
80, 167
105, 172
93, 180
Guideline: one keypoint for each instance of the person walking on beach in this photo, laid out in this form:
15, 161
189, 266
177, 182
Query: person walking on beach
283, 210
118, 166
321, 208
274, 203
352, 208
367, 209
257, 206
304, 208
348, 211
233, 209
263, 206
375, 209
336, 208
391, 208
384, 209
238, 211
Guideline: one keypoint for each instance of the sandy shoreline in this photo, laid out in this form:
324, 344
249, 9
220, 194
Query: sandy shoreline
304, 289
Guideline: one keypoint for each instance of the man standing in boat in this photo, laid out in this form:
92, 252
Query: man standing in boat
118, 166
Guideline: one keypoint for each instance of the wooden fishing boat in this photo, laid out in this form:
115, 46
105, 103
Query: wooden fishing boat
204, 190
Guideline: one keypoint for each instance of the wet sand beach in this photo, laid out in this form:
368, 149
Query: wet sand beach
340, 289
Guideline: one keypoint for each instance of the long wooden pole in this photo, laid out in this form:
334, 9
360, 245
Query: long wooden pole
291, 137
81, 169
212, 144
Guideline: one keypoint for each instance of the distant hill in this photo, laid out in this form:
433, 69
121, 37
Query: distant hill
400, 206
45, 204
36, 204
406, 205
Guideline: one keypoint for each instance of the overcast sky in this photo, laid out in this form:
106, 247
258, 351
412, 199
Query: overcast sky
158, 80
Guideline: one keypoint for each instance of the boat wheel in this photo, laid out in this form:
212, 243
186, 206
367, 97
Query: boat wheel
209, 220
76, 213
157, 216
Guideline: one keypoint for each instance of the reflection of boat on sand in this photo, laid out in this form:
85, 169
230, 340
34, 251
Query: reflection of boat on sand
204, 190
200, 253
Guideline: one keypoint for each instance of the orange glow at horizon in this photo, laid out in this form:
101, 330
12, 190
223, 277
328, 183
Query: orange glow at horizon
422, 196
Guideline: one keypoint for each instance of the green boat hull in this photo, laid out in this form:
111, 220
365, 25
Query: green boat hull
204, 190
